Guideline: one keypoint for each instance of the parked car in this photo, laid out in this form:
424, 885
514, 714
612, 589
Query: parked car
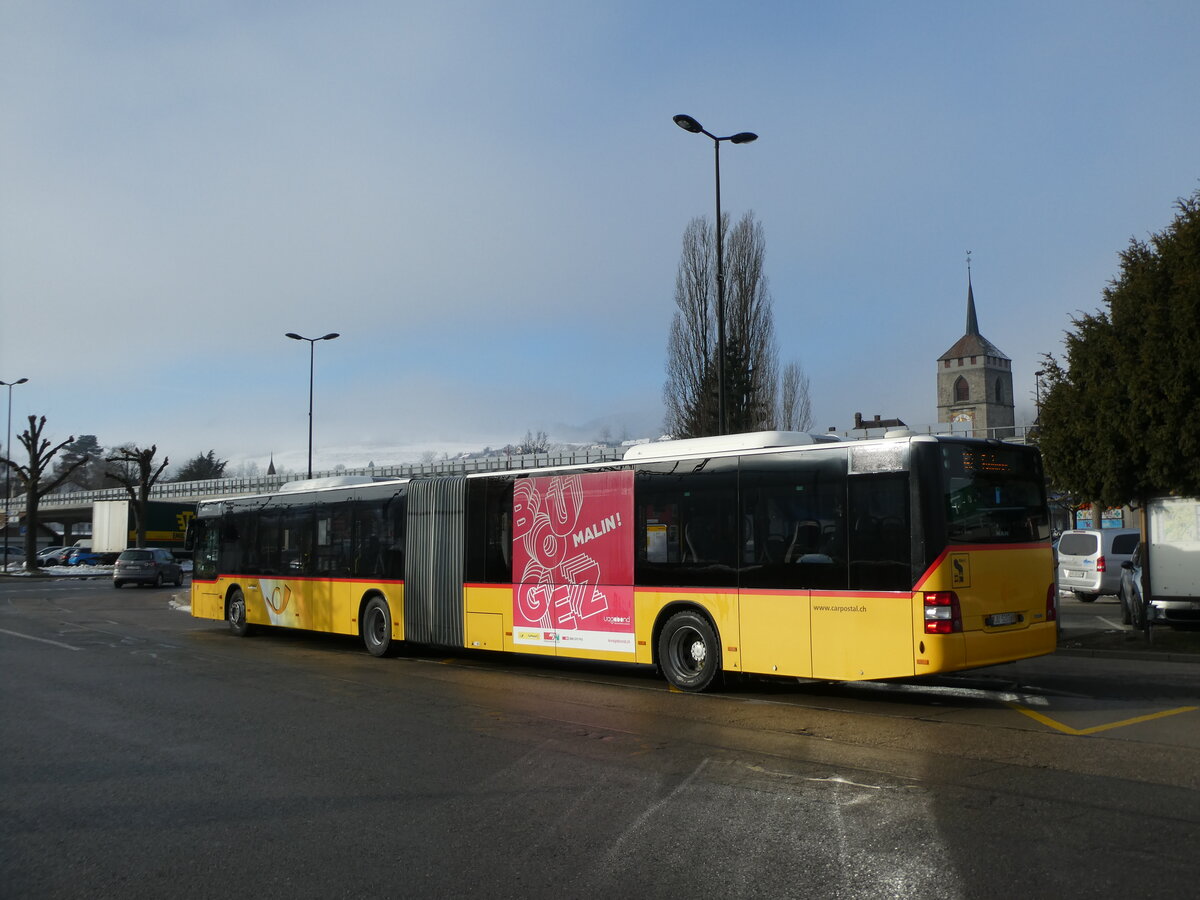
1089, 560
80, 556
11, 553
53, 556
1133, 604
147, 565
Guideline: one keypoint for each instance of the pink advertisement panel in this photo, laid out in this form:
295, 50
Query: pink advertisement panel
573, 561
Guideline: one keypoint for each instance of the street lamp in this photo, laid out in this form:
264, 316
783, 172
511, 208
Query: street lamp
312, 342
8, 448
687, 123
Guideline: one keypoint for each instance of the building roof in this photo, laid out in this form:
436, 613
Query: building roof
972, 343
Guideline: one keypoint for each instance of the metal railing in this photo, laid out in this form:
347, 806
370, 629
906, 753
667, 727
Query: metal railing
265, 484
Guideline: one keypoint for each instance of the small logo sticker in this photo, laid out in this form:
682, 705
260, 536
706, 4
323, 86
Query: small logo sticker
960, 570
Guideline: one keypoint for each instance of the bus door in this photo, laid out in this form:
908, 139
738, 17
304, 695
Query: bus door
203, 538
792, 542
864, 628
825, 578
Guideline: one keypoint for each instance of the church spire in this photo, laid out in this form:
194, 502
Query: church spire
972, 319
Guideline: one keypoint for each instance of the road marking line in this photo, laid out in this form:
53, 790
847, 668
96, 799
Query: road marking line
1111, 624
30, 637
1067, 729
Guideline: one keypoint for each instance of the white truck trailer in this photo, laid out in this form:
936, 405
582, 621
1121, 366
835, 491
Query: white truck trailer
1172, 558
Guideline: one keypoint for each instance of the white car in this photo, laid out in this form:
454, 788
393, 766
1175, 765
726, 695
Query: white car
1089, 560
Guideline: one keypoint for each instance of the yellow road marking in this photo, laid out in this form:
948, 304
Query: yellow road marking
1067, 729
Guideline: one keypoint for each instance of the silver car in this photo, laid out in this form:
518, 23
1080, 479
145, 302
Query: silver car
1133, 603
147, 565
1089, 560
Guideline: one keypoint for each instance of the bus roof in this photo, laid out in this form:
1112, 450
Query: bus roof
752, 440
727, 445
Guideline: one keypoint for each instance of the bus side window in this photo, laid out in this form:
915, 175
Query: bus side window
396, 521
880, 545
688, 529
794, 502
367, 554
206, 542
298, 539
489, 530
267, 544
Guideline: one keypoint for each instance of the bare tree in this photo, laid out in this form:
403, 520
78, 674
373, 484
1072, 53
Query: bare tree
530, 444
134, 469
690, 391
751, 359
795, 402
31, 478
751, 378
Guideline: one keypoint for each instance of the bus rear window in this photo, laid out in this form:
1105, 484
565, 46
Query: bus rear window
993, 494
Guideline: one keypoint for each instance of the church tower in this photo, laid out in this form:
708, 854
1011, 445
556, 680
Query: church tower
974, 382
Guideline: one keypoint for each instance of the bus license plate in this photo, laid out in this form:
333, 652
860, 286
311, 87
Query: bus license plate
1002, 619
1074, 574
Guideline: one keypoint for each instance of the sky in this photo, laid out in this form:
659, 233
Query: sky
486, 200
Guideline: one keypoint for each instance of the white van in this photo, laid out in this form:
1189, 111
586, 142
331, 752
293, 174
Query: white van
1089, 560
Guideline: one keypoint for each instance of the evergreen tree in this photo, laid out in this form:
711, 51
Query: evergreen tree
84, 459
1118, 419
204, 467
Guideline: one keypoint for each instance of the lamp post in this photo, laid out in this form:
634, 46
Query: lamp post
8, 448
687, 123
312, 342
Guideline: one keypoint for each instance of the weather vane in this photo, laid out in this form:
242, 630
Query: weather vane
968, 262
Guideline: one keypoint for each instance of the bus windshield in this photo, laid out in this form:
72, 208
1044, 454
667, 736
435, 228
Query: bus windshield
993, 495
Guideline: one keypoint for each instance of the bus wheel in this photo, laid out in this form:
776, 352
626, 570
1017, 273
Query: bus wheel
688, 652
236, 613
377, 627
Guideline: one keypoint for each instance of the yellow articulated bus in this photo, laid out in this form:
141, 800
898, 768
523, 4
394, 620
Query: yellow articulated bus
775, 553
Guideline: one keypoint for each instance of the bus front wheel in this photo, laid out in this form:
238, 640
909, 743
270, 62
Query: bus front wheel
377, 627
236, 613
688, 652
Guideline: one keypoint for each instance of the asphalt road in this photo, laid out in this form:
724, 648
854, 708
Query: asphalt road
143, 753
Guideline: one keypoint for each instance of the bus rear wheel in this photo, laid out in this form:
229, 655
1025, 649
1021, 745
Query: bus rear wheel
688, 652
377, 627
235, 613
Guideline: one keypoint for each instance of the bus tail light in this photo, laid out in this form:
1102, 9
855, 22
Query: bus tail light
942, 613
1101, 565
1051, 605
